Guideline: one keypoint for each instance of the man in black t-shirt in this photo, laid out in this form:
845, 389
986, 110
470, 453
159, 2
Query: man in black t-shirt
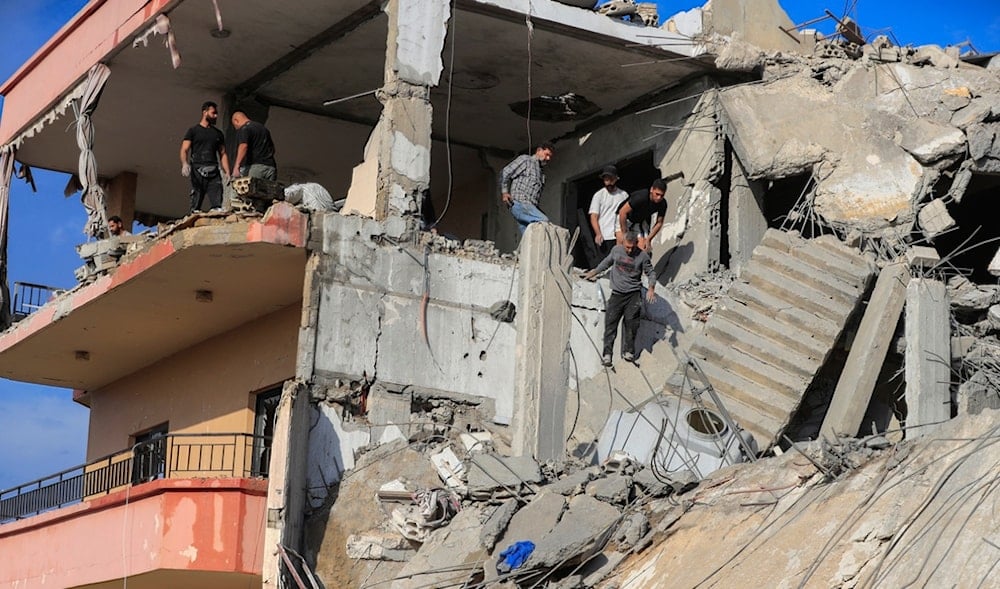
203, 150
255, 154
635, 214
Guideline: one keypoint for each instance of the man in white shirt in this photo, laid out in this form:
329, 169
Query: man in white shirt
604, 211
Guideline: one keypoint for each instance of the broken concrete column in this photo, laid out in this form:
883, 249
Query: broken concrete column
120, 197
417, 30
864, 362
286, 500
747, 223
928, 354
541, 365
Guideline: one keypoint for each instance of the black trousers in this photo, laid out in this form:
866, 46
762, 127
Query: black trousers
202, 186
624, 307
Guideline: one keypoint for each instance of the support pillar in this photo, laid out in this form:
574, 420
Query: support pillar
928, 354
120, 198
401, 141
541, 364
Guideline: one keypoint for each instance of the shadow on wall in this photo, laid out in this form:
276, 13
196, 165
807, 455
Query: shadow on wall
670, 263
658, 323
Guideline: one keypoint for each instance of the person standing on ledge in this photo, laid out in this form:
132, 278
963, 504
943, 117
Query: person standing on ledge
255, 154
203, 151
521, 183
628, 263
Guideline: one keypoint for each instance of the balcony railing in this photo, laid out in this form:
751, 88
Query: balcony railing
186, 456
29, 297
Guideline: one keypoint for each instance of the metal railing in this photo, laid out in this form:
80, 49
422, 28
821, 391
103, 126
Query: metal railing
188, 456
29, 297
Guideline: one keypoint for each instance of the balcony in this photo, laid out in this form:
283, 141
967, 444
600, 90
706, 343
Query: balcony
29, 298
177, 510
181, 288
171, 456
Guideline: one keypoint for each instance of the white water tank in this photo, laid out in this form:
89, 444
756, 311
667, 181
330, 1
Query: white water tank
670, 435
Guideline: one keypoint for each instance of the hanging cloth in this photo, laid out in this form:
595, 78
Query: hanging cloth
91, 193
6, 173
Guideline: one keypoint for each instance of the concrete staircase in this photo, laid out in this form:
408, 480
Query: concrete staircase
774, 329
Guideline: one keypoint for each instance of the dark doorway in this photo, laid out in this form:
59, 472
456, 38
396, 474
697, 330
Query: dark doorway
974, 225
149, 455
265, 414
635, 173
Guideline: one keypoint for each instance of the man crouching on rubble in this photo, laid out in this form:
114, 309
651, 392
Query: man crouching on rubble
628, 263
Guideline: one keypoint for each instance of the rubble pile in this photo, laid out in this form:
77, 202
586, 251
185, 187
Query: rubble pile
102, 255
486, 517
975, 344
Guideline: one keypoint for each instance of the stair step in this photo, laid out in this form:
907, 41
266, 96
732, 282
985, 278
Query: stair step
746, 408
798, 295
777, 353
856, 274
802, 272
823, 328
782, 329
746, 366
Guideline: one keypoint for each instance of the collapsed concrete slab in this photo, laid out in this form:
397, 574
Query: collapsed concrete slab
777, 325
878, 325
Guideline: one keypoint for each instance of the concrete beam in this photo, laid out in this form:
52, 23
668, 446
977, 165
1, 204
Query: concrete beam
928, 354
857, 381
541, 373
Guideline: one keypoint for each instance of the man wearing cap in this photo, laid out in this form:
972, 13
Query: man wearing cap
636, 213
521, 183
604, 211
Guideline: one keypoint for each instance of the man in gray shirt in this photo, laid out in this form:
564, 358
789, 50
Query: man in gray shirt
628, 263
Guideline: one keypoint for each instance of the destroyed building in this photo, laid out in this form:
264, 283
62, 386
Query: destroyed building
307, 389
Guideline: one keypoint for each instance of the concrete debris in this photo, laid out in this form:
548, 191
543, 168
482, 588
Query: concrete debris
573, 484
439, 562
615, 489
930, 142
102, 255
496, 524
491, 475
477, 442
450, 468
630, 531
379, 544
580, 533
934, 218
923, 257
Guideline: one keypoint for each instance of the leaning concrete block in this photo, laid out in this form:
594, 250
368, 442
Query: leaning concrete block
864, 362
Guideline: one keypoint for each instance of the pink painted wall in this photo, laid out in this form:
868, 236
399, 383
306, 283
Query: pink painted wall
212, 525
62, 62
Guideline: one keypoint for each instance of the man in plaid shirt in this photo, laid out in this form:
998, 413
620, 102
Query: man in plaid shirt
521, 183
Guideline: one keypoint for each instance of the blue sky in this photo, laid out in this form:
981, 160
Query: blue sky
43, 431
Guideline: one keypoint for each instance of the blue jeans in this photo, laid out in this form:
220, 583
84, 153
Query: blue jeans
525, 214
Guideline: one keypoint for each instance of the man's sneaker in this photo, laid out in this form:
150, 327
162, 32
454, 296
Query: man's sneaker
628, 357
606, 360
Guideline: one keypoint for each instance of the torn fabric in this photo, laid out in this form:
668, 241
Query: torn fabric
49, 117
6, 173
161, 26
92, 194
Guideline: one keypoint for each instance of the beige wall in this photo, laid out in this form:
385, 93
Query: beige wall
205, 388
